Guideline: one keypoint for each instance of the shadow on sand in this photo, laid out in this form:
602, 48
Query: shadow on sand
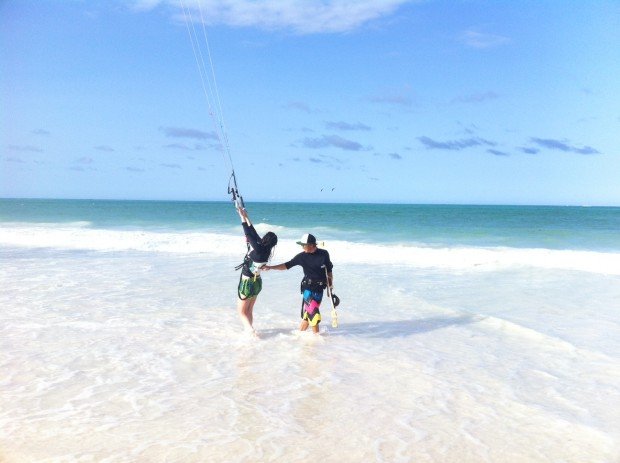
388, 329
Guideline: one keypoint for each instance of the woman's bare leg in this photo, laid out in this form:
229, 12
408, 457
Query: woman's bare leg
242, 309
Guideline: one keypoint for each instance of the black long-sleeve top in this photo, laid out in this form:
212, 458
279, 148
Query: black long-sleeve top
259, 253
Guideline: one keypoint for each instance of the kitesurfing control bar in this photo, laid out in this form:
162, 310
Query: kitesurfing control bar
234, 191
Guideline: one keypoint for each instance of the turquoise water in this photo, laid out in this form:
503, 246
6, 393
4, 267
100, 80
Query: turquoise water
576, 228
579, 228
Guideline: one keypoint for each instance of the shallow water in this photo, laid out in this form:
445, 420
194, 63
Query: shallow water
139, 356
122, 343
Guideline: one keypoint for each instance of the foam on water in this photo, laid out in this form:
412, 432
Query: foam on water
72, 236
139, 356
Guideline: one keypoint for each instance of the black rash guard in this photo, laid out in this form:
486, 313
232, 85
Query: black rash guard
312, 263
259, 253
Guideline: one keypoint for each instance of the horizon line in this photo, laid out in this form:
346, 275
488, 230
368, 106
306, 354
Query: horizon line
403, 203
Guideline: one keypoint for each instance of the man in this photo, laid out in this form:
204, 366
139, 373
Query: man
317, 276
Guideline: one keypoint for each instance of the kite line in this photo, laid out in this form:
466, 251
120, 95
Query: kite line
210, 90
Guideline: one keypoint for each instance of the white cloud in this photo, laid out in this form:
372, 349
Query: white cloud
144, 5
399, 100
476, 98
24, 148
481, 40
300, 16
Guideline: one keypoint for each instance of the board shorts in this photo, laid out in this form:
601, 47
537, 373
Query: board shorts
310, 306
250, 287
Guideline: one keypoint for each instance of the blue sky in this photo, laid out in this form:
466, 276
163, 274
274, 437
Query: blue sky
475, 102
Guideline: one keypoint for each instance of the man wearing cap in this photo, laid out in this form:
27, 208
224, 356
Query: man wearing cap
317, 276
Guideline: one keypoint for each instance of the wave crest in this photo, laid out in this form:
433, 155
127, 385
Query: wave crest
79, 237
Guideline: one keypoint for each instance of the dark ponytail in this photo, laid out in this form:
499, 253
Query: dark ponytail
269, 240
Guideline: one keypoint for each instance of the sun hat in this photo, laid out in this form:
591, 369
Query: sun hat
307, 239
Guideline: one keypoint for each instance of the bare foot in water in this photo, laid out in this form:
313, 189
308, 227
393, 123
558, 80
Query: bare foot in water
252, 333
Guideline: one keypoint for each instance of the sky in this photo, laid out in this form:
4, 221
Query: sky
425, 102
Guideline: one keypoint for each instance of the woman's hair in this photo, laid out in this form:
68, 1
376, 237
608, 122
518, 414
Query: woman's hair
269, 240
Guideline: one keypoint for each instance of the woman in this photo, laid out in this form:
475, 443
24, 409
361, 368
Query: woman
250, 282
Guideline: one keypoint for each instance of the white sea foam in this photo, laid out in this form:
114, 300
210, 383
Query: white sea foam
477, 257
71, 237
80, 236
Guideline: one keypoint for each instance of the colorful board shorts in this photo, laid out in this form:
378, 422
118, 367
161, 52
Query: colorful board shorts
250, 287
310, 306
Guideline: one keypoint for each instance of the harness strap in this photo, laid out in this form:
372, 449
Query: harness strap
312, 285
246, 262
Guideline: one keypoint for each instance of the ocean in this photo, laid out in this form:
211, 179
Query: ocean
466, 334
